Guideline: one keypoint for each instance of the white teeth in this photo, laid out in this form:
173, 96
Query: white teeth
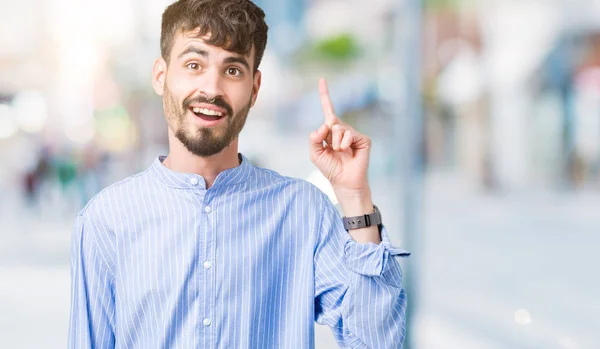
207, 111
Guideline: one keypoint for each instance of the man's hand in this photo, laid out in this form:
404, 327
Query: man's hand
344, 160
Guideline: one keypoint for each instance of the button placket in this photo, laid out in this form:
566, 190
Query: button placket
207, 264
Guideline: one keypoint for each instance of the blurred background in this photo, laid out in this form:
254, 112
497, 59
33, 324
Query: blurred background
485, 120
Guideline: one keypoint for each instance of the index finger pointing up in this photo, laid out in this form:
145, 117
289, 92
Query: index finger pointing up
328, 110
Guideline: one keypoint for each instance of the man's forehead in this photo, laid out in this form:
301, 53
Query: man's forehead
189, 36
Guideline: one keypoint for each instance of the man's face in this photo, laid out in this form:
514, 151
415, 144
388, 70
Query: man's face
207, 93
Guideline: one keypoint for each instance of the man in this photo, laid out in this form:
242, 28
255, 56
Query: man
205, 250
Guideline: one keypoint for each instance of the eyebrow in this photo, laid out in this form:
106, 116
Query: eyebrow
193, 49
237, 59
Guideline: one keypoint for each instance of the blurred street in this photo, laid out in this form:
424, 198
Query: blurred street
475, 276
498, 137
487, 256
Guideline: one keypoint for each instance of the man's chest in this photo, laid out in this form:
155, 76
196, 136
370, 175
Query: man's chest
207, 252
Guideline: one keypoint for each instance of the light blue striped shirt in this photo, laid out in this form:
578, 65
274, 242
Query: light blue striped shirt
159, 261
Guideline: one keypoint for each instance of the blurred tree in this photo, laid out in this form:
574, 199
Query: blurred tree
442, 4
339, 47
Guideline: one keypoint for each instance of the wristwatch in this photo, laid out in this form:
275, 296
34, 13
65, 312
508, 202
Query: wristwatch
363, 221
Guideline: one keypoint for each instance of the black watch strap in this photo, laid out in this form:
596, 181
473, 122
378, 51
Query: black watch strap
363, 221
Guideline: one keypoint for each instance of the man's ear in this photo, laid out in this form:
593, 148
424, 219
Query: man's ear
256, 86
159, 74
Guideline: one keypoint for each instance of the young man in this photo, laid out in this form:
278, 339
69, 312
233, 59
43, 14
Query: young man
205, 250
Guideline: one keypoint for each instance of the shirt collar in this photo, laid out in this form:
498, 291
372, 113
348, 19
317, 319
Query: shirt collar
183, 180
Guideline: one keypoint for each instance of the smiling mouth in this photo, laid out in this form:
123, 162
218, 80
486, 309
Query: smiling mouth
207, 114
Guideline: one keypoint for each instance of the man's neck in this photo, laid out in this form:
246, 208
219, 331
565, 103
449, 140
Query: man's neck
181, 160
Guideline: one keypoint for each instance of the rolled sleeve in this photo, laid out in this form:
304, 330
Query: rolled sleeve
372, 259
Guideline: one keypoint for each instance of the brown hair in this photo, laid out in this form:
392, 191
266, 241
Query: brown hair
234, 25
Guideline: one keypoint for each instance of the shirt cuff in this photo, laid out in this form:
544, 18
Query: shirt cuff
371, 259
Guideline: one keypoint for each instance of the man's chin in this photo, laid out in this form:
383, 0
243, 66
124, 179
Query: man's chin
211, 134
201, 143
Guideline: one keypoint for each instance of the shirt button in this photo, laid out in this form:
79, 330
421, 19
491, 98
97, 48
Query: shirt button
207, 265
207, 209
206, 322
194, 181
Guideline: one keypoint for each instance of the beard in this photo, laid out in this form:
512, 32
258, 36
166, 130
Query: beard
204, 141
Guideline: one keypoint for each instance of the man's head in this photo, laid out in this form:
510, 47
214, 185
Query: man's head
208, 70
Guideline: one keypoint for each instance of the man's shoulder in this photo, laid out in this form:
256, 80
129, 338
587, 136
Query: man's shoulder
115, 194
268, 178
272, 177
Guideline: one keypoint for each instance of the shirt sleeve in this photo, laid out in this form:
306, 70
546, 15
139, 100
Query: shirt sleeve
358, 287
92, 314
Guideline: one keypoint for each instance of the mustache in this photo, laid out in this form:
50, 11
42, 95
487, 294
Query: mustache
217, 101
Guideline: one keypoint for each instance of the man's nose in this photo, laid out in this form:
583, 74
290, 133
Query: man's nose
211, 84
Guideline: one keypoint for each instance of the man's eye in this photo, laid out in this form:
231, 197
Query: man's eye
234, 71
193, 66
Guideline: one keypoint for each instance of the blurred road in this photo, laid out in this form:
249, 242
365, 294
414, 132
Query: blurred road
485, 257
488, 256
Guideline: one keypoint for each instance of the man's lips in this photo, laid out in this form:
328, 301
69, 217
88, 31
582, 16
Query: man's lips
208, 109
207, 117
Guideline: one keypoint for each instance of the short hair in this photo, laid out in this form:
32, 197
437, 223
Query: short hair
234, 25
